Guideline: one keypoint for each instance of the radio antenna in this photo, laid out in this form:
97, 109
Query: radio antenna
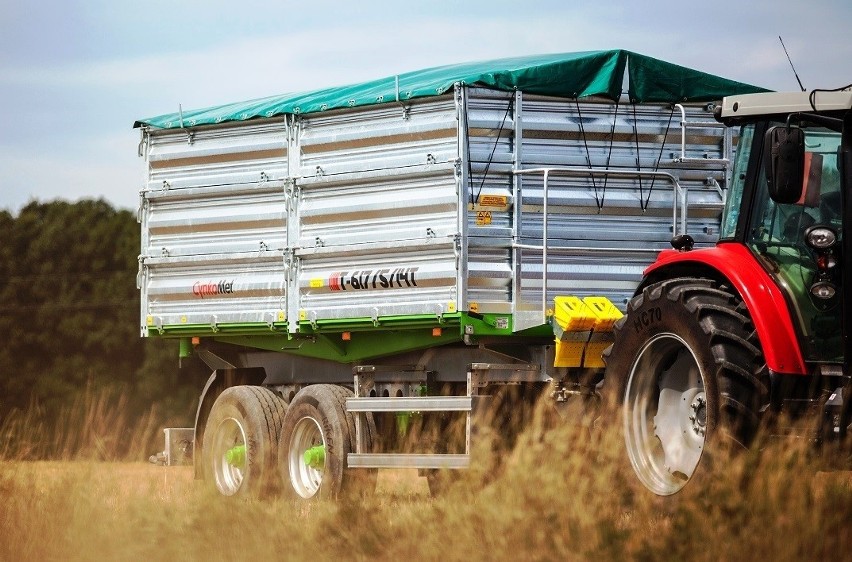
796, 74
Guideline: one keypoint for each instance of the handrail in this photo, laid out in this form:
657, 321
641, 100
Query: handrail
684, 124
678, 193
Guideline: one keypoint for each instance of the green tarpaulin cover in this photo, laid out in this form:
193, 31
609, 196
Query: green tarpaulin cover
568, 75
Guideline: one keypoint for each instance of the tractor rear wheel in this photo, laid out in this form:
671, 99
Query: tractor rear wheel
689, 377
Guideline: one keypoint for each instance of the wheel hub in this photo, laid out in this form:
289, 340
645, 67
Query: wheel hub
306, 458
229, 456
699, 415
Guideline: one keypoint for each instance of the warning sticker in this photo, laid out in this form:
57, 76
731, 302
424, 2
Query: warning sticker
483, 218
493, 200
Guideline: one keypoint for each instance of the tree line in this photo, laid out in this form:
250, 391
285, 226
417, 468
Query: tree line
70, 314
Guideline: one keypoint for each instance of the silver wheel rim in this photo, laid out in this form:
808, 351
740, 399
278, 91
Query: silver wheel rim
228, 473
665, 414
305, 479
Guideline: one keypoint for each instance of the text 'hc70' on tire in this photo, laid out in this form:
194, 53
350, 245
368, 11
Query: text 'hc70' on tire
688, 375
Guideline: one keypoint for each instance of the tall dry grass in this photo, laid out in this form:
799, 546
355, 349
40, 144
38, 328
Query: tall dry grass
95, 425
560, 494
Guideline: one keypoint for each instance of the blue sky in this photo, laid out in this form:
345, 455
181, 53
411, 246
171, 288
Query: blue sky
76, 74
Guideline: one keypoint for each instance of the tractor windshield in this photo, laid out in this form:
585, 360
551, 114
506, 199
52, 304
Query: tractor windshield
776, 234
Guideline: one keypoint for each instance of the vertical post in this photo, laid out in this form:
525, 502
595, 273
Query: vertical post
359, 420
544, 248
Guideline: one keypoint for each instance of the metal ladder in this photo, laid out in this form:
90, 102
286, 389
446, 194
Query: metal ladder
479, 375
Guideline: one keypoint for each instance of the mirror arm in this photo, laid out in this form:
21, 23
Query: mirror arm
831, 123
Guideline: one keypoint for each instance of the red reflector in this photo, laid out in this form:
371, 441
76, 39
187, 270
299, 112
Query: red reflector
436, 332
346, 336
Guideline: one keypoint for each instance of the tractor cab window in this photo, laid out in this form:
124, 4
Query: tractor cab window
733, 203
777, 235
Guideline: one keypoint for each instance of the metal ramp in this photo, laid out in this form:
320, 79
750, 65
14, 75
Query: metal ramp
479, 375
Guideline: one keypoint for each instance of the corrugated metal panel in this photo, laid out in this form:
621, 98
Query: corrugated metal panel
411, 203
394, 212
614, 274
390, 136
215, 220
225, 155
214, 225
489, 276
214, 290
603, 231
374, 280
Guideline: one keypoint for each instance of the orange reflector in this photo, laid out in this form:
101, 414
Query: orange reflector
436, 332
346, 336
196, 340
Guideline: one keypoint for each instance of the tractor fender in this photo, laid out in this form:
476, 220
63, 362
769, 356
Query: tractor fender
734, 263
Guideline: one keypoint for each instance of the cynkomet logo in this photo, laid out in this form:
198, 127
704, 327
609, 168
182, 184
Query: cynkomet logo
202, 290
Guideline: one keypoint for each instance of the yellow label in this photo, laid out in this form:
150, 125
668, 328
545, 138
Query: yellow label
303, 315
474, 307
451, 306
149, 320
281, 316
316, 283
483, 218
183, 319
493, 201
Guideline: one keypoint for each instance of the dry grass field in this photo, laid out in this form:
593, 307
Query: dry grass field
557, 496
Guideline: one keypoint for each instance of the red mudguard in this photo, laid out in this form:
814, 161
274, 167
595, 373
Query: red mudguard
761, 295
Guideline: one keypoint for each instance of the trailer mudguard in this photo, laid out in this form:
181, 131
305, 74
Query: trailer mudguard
760, 293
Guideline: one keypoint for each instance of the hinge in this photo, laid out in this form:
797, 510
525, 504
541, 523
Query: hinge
141, 272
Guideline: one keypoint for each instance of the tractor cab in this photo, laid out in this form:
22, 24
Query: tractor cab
786, 205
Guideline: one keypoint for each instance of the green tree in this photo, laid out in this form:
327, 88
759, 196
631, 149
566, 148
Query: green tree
69, 315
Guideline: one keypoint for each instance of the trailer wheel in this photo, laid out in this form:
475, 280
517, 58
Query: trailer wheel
316, 438
688, 374
241, 441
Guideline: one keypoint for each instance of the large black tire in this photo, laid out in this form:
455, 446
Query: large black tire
240, 445
688, 377
317, 418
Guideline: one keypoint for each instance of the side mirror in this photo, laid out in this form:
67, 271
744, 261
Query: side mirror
784, 159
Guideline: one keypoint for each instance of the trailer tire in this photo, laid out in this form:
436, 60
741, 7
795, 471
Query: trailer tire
317, 420
240, 445
688, 379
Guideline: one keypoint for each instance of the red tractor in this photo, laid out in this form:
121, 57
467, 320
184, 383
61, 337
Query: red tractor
716, 340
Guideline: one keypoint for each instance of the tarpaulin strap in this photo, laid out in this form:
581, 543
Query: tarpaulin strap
643, 204
588, 154
609, 155
660, 155
509, 107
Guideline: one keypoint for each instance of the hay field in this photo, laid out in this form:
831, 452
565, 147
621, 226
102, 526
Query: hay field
559, 495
